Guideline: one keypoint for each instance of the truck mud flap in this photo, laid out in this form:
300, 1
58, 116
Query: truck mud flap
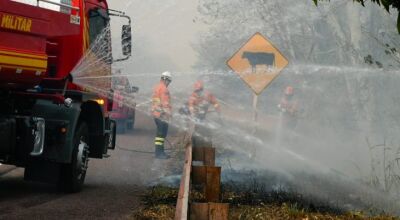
7, 137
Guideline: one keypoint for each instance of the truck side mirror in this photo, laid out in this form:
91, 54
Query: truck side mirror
126, 35
135, 89
126, 38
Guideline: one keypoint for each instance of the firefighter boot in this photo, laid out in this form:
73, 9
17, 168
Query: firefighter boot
157, 151
162, 154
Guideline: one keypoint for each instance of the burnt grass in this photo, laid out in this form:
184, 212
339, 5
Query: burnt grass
252, 194
258, 191
329, 194
310, 192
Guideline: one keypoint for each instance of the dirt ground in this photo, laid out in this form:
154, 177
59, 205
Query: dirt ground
112, 189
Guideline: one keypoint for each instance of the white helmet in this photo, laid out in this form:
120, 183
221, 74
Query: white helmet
166, 75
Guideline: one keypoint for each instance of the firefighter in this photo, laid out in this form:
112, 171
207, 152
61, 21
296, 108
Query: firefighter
161, 111
200, 101
197, 107
288, 106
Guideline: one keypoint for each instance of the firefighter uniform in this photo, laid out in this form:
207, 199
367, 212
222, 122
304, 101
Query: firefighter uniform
198, 105
161, 111
289, 106
200, 101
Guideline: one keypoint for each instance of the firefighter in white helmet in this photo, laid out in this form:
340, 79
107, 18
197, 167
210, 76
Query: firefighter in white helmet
161, 111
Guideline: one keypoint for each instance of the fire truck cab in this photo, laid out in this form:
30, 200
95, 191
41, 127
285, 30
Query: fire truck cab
49, 123
124, 107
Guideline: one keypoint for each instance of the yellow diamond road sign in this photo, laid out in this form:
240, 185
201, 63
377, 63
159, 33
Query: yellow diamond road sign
258, 62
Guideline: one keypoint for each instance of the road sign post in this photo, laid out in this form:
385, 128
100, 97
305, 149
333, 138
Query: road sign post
255, 112
255, 102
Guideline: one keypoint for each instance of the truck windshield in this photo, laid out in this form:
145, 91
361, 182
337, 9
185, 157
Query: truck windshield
98, 23
99, 34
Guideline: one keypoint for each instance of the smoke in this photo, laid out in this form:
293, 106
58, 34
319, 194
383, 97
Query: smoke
346, 123
162, 36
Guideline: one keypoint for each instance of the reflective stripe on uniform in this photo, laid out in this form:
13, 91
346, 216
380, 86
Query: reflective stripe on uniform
158, 143
159, 139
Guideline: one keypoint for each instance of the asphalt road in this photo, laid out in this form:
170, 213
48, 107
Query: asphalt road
112, 189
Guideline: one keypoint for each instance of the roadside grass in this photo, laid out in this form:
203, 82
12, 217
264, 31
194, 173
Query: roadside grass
159, 203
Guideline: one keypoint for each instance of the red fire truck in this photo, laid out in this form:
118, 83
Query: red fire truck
49, 124
124, 107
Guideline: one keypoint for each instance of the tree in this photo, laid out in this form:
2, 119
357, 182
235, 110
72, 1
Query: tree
387, 4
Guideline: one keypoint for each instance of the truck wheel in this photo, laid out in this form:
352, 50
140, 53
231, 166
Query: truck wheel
73, 174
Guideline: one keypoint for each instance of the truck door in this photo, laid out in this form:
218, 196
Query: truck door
99, 53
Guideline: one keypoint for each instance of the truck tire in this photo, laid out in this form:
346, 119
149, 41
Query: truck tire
73, 174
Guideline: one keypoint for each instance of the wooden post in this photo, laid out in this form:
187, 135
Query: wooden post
183, 196
209, 211
205, 155
210, 178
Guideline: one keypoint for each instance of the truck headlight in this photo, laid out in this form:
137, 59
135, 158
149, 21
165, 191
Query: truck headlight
38, 134
100, 101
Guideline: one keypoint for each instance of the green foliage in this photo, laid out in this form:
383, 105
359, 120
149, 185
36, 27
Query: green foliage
389, 50
387, 4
